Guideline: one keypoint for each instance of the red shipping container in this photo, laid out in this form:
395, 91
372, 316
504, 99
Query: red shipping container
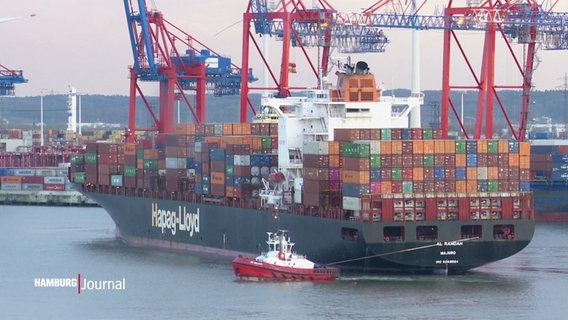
53, 187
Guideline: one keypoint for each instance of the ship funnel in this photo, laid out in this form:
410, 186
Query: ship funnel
361, 67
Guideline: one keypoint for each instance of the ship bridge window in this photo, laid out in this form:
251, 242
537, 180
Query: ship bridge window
471, 232
503, 232
426, 233
349, 234
391, 234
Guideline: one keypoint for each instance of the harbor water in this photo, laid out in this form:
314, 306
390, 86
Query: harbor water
65, 263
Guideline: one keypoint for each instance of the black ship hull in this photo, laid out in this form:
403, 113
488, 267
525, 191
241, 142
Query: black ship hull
350, 245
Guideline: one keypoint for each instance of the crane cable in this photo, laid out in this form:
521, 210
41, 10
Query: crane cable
438, 244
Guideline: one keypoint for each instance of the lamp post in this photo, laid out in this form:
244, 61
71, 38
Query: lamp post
41, 92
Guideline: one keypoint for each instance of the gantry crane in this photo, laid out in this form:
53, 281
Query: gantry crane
294, 24
8, 77
163, 53
521, 21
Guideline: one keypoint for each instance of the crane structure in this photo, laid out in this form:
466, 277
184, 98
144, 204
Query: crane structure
8, 80
165, 54
522, 21
8, 77
296, 25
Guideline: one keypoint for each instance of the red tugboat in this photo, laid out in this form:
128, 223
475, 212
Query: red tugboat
280, 263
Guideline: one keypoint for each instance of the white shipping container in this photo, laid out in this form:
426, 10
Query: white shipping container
482, 173
32, 186
45, 172
176, 163
352, 203
241, 160
54, 180
316, 147
11, 186
24, 172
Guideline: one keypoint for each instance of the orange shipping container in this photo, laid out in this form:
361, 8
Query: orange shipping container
386, 147
471, 174
355, 177
503, 146
418, 174
524, 162
11, 179
217, 177
418, 147
227, 129
185, 128
396, 147
461, 186
428, 146
386, 187
449, 146
524, 148
513, 159
493, 173
130, 149
333, 148
334, 161
460, 159
439, 146
481, 146
471, 186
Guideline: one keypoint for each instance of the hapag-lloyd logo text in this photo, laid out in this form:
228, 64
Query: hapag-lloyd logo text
81, 284
172, 220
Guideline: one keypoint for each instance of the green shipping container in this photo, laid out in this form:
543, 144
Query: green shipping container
78, 177
386, 134
266, 143
493, 186
151, 164
129, 171
77, 159
460, 146
427, 134
229, 168
396, 174
91, 158
116, 180
374, 161
356, 150
139, 153
428, 160
492, 146
407, 187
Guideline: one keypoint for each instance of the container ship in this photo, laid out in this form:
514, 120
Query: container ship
339, 167
549, 170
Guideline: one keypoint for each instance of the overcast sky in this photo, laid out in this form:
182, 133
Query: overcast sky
85, 44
